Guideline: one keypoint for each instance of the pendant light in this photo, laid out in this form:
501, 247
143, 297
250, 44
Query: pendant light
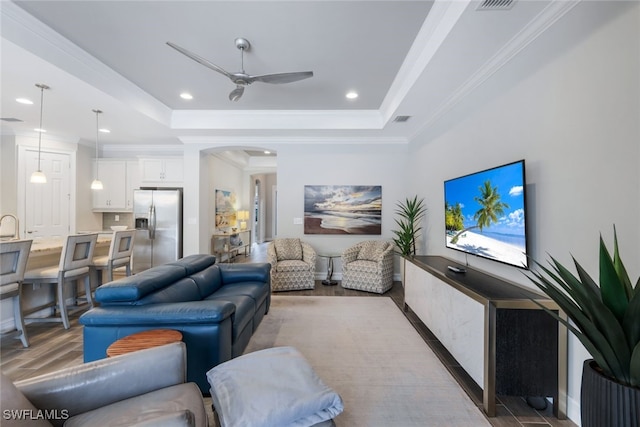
97, 184
38, 177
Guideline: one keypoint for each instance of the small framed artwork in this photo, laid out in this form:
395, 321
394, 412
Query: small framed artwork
225, 209
342, 209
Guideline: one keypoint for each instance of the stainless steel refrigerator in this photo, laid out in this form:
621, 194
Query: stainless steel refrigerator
158, 220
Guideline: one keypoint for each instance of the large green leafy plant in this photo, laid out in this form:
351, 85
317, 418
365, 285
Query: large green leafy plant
411, 212
606, 317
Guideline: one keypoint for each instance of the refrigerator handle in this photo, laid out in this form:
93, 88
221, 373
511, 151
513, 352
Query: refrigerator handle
152, 222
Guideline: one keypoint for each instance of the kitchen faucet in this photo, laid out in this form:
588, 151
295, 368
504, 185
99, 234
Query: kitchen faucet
16, 230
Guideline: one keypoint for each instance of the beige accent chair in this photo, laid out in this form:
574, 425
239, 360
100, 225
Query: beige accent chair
124, 390
293, 264
368, 266
119, 255
13, 264
75, 264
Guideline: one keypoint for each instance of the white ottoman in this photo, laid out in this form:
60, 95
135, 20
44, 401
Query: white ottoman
272, 387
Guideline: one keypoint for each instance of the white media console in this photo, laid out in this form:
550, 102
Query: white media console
504, 341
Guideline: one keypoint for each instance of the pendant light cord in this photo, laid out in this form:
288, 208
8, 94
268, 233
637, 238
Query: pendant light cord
97, 133
40, 128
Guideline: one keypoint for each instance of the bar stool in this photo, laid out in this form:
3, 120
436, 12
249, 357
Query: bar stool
75, 264
13, 263
119, 255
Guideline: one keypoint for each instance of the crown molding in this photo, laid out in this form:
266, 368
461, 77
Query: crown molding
277, 119
33, 35
262, 141
555, 10
440, 21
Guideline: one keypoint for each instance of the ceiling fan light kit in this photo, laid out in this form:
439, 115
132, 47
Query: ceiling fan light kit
242, 79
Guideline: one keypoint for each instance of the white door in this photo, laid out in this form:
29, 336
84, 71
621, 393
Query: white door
47, 205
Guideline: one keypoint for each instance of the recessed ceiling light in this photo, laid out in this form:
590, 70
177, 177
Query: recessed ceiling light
267, 152
24, 101
352, 95
104, 130
40, 130
186, 95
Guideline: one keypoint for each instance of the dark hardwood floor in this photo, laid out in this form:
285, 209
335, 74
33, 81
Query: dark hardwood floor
53, 347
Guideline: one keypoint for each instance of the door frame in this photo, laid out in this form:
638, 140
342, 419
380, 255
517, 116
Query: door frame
21, 183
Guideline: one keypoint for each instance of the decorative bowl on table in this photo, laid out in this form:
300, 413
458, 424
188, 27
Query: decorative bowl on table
118, 227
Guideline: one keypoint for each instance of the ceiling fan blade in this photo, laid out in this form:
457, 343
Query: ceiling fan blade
282, 77
236, 94
200, 59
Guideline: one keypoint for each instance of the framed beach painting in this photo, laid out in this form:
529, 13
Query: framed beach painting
225, 209
342, 209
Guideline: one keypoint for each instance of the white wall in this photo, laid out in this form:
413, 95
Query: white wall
8, 171
575, 121
326, 164
225, 176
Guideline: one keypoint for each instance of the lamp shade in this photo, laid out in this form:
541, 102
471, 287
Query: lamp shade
96, 184
38, 177
243, 216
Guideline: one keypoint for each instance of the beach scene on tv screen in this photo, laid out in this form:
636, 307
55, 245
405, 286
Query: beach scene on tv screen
485, 214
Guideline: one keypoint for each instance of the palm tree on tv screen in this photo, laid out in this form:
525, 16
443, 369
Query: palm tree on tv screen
492, 208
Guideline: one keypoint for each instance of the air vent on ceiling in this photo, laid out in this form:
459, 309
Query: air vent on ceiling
401, 119
495, 4
10, 119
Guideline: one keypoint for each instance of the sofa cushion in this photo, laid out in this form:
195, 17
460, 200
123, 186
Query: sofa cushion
292, 266
183, 290
372, 250
255, 290
243, 315
363, 266
208, 280
288, 249
132, 288
146, 407
195, 263
14, 400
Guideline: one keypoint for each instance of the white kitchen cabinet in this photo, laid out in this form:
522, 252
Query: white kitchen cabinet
167, 171
113, 197
133, 182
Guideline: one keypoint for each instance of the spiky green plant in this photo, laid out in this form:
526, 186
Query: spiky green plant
606, 317
411, 212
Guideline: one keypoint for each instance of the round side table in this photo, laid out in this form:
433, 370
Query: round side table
330, 257
143, 340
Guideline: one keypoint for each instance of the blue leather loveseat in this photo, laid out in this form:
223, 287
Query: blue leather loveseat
216, 307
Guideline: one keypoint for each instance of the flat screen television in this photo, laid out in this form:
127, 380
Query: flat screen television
485, 214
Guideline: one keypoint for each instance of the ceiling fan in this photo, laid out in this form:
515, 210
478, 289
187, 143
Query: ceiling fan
242, 79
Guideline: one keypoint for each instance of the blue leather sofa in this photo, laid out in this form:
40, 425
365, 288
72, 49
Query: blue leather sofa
216, 307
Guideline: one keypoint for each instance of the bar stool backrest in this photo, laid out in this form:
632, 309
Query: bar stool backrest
122, 244
78, 252
13, 260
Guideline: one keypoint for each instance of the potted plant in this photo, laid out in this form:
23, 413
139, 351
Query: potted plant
411, 212
606, 319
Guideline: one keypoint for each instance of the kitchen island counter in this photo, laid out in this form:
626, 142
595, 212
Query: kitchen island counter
46, 251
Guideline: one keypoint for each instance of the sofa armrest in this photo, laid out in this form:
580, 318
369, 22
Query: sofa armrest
386, 260
83, 388
272, 257
350, 254
175, 419
236, 273
308, 254
174, 313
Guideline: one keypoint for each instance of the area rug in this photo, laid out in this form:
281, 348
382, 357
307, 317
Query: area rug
366, 350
